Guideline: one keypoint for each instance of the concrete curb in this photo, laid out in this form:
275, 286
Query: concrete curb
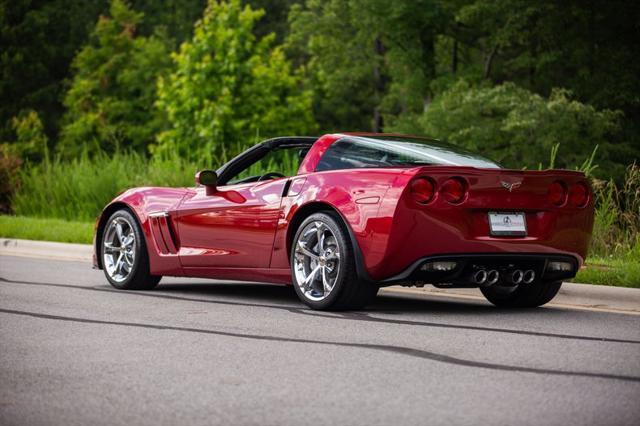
572, 295
46, 250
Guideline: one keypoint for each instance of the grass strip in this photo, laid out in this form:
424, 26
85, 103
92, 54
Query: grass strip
621, 272
32, 228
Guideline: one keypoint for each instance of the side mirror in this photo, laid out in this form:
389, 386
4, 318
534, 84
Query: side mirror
208, 179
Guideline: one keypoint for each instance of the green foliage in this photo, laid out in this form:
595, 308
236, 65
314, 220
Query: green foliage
338, 49
79, 189
30, 228
31, 141
10, 165
545, 44
175, 17
229, 87
30, 145
621, 272
616, 230
110, 101
366, 58
39, 39
516, 127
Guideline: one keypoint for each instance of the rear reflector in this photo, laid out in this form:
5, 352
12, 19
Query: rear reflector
557, 193
439, 266
454, 190
559, 267
423, 190
579, 194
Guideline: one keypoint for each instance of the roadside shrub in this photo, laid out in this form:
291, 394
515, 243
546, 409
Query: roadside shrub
518, 128
616, 230
29, 144
79, 189
9, 170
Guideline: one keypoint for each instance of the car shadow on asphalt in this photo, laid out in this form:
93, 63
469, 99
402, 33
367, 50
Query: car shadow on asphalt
284, 296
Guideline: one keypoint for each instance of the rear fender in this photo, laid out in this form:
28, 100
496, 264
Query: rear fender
357, 196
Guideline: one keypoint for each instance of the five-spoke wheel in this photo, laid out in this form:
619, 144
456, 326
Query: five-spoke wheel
124, 253
323, 266
118, 249
316, 261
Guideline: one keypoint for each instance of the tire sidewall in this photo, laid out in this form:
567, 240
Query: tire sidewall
332, 222
139, 249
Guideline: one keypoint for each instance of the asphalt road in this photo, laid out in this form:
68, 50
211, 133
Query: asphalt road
74, 351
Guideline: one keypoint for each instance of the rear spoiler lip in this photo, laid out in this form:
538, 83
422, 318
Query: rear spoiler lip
461, 170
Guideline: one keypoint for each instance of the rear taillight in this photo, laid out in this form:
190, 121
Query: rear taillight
579, 195
423, 190
454, 190
557, 193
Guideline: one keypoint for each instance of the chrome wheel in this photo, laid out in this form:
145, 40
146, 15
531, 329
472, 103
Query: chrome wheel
119, 249
316, 261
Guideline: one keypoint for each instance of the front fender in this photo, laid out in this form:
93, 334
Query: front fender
141, 202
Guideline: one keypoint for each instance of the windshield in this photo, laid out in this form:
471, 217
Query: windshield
397, 151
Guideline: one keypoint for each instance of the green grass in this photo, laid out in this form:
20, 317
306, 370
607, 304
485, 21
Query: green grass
30, 228
78, 190
621, 272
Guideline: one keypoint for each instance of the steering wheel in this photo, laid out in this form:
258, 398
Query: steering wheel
270, 175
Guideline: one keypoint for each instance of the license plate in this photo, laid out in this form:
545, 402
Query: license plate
507, 224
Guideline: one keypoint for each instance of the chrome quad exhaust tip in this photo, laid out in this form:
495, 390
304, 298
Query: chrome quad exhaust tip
528, 276
480, 277
516, 276
493, 277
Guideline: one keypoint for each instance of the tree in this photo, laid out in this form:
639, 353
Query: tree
39, 39
519, 128
31, 143
175, 17
368, 60
588, 48
229, 88
110, 101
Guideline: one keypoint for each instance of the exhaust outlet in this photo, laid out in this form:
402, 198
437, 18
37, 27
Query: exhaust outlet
516, 276
480, 277
492, 277
528, 276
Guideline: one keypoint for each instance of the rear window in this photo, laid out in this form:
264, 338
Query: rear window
354, 152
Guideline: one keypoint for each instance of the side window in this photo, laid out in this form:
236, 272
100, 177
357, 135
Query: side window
283, 161
348, 154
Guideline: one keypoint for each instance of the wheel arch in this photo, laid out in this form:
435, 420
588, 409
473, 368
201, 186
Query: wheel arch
319, 206
102, 221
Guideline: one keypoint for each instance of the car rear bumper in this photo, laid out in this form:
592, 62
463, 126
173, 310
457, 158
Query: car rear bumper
466, 265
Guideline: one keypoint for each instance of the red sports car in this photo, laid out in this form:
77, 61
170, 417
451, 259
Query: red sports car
342, 215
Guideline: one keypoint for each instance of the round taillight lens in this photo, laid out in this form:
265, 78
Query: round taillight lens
454, 190
579, 194
423, 190
557, 193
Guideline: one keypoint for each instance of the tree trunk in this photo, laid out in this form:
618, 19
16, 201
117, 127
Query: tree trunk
489, 61
454, 57
380, 86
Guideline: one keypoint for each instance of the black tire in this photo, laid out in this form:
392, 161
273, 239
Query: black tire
349, 291
525, 296
139, 277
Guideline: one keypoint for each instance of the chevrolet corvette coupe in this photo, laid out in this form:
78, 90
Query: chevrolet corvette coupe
338, 217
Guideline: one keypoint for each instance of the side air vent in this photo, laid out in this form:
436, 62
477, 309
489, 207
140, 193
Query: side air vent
163, 232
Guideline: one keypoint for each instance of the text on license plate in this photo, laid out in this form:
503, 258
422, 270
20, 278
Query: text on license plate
507, 223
